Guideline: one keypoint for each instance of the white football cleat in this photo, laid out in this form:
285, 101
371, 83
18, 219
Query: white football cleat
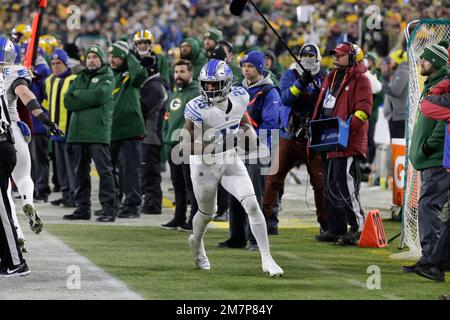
201, 260
270, 267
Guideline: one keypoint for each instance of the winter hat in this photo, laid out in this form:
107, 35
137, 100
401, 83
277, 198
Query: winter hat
214, 34
218, 53
98, 51
309, 49
61, 55
436, 55
372, 56
119, 49
256, 58
445, 44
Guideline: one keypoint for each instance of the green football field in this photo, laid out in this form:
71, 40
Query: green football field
157, 264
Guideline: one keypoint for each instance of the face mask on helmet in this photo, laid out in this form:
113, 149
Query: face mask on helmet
215, 81
143, 47
7, 52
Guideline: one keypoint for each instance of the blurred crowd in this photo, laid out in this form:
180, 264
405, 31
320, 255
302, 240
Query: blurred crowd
324, 23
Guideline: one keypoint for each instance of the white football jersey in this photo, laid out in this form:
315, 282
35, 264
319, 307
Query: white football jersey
11, 74
217, 123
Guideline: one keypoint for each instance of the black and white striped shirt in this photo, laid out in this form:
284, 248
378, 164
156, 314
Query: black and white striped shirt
4, 115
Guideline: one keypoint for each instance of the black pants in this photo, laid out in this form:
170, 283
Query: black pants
341, 187
180, 174
65, 167
10, 254
126, 160
151, 177
397, 129
441, 251
222, 200
40, 165
82, 155
371, 146
240, 230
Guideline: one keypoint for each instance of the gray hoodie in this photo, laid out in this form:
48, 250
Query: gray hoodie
396, 94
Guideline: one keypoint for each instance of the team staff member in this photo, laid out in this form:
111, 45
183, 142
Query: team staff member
346, 92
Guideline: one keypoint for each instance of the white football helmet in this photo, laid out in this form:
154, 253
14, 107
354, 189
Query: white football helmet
7, 52
215, 80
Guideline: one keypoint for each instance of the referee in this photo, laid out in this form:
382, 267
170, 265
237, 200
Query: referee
12, 263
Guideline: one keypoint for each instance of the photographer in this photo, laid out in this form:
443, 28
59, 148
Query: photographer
298, 95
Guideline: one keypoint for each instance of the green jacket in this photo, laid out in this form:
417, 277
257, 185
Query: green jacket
430, 133
128, 121
174, 118
197, 57
89, 99
163, 67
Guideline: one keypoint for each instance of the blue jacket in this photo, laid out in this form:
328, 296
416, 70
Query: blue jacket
264, 105
303, 104
42, 71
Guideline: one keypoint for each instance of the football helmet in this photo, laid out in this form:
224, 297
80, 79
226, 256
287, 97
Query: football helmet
21, 33
215, 80
7, 52
143, 36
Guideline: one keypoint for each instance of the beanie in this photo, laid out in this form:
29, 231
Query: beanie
119, 49
372, 56
214, 34
445, 44
98, 51
256, 58
436, 55
61, 55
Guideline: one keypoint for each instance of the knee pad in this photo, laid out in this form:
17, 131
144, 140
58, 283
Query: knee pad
250, 205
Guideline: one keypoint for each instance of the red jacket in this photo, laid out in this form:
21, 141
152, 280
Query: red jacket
355, 93
433, 111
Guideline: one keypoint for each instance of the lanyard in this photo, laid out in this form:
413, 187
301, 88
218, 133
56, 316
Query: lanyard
332, 81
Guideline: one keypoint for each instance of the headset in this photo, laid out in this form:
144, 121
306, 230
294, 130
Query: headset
352, 54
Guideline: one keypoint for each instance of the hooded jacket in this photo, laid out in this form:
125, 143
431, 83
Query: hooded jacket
354, 94
89, 99
427, 142
197, 57
436, 106
396, 94
264, 106
128, 121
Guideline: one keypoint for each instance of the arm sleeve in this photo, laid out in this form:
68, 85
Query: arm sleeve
98, 96
441, 100
270, 110
396, 86
138, 74
71, 101
363, 96
434, 111
287, 98
436, 139
191, 114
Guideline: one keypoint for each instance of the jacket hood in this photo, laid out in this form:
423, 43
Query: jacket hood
195, 48
265, 79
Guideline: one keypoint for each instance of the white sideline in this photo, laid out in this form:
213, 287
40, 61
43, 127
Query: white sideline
48, 260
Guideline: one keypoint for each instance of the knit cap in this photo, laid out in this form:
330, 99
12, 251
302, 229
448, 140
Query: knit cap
119, 49
256, 58
436, 55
